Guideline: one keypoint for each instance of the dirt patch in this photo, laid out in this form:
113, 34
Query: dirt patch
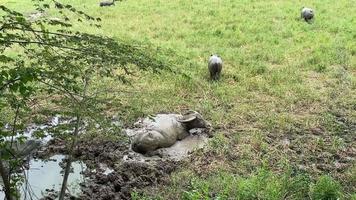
123, 176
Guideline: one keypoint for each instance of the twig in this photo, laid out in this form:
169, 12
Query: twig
39, 43
9, 83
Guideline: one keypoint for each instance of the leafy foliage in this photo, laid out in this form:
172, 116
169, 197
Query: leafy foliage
51, 52
46, 56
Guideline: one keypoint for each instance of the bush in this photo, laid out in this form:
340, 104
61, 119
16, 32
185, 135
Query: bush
326, 188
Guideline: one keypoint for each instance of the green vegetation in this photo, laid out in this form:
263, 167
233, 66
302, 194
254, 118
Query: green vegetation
326, 188
47, 58
284, 110
261, 185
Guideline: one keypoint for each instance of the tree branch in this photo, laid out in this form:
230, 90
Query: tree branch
5, 178
61, 90
37, 31
9, 83
39, 43
73, 144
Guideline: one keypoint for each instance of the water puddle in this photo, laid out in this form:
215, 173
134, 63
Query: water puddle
184, 147
44, 175
32, 130
196, 139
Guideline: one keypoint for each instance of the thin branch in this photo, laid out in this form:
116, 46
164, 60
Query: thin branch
39, 43
14, 126
73, 144
9, 83
2, 27
62, 90
37, 31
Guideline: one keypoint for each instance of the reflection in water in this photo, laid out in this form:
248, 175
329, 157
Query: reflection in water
43, 175
30, 130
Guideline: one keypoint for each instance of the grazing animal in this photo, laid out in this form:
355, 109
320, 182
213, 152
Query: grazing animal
164, 130
215, 66
307, 14
107, 3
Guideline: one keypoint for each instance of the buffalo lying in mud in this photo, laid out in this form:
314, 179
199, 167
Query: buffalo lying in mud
164, 130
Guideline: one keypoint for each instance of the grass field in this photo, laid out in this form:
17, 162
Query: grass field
284, 111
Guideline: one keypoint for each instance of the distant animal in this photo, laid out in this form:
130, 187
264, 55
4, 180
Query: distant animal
307, 14
164, 130
107, 3
215, 65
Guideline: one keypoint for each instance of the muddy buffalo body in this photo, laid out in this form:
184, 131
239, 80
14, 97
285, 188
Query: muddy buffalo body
164, 130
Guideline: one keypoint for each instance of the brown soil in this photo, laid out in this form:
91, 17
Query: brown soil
126, 176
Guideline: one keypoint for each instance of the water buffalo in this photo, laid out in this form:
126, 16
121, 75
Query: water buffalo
107, 3
164, 130
215, 66
307, 14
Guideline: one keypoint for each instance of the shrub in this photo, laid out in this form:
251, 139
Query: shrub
326, 188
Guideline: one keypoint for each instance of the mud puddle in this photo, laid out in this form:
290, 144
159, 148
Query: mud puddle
107, 175
107, 169
168, 126
43, 131
180, 150
44, 176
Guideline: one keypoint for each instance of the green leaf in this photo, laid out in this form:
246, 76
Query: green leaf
5, 59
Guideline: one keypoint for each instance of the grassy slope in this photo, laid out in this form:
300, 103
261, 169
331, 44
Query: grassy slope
287, 97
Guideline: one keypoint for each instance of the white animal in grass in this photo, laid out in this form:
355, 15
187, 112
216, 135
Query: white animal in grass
215, 65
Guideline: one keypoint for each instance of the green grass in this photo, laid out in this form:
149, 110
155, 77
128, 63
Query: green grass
261, 185
287, 94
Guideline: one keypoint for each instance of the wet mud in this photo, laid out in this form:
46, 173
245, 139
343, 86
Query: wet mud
112, 170
108, 175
